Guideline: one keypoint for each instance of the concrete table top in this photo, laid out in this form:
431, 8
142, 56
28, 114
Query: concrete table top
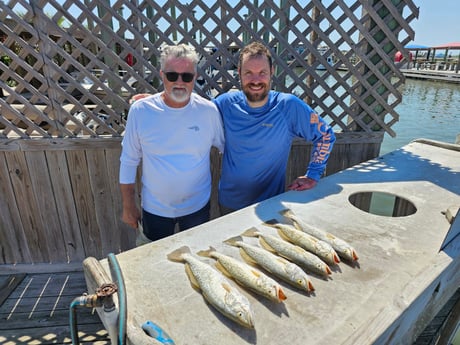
401, 282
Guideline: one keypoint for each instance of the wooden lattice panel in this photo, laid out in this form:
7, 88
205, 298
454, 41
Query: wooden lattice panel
68, 67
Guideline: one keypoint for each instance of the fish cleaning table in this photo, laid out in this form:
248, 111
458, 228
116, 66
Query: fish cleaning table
401, 281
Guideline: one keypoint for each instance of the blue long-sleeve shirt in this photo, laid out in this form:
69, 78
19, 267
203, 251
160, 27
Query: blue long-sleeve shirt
258, 142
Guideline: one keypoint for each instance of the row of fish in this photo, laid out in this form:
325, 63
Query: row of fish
300, 247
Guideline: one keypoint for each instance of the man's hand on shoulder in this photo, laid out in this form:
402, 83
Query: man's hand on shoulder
137, 97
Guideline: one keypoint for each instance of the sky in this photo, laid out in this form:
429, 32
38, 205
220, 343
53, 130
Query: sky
438, 22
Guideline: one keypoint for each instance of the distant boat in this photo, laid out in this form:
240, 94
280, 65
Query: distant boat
329, 60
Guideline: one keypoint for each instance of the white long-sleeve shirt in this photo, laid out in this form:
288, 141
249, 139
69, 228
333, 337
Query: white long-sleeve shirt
173, 145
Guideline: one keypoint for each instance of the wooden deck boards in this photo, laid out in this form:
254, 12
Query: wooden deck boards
34, 309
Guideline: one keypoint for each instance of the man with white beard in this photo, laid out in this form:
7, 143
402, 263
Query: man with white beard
171, 133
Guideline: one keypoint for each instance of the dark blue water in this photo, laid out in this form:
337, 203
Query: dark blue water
429, 110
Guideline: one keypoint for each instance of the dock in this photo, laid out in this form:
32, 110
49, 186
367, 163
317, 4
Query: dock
433, 75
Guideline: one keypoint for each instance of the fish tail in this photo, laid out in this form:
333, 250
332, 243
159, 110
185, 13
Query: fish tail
251, 232
246, 257
233, 241
287, 213
283, 235
271, 222
206, 253
266, 246
221, 268
177, 255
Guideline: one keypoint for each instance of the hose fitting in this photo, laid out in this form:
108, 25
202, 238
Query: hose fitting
102, 298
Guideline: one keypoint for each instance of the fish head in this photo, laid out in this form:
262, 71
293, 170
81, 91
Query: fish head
240, 309
350, 254
270, 289
246, 317
300, 277
302, 282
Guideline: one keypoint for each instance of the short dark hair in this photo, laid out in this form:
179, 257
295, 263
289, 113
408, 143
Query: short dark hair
256, 49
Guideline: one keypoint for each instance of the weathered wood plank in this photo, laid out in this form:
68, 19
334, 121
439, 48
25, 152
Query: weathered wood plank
13, 246
448, 322
45, 285
66, 209
42, 186
48, 303
7, 285
126, 235
59, 144
84, 201
55, 330
57, 335
29, 208
216, 165
100, 187
41, 268
39, 306
38, 319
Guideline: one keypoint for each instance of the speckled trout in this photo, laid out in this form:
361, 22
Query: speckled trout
308, 242
345, 250
215, 288
246, 275
280, 267
292, 252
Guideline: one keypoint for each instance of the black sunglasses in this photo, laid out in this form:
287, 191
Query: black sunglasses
173, 76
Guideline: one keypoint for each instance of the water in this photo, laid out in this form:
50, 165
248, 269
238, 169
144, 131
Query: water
429, 110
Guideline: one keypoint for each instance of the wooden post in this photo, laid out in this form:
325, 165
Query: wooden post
283, 22
152, 38
378, 36
47, 52
310, 57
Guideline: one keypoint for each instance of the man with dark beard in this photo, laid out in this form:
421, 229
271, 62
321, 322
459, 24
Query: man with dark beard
259, 126
171, 133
